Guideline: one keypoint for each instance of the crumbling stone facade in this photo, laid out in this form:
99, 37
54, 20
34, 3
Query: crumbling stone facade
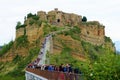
92, 32
60, 18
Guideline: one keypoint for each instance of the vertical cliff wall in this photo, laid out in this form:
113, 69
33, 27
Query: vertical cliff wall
92, 31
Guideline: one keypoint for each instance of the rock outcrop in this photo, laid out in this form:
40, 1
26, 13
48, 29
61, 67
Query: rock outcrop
92, 32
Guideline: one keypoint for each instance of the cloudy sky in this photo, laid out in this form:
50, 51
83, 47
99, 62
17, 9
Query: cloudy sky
105, 11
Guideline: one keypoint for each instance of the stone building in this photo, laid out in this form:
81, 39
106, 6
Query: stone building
92, 31
60, 18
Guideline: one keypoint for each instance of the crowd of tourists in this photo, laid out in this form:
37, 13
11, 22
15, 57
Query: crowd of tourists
62, 68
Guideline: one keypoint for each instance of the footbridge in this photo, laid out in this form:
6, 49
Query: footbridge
37, 71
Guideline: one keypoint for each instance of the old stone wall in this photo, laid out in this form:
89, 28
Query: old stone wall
93, 34
34, 32
60, 18
42, 15
19, 32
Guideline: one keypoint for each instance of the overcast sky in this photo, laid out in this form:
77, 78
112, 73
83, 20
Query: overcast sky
107, 12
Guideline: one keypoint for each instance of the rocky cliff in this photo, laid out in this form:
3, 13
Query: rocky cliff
92, 32
72, 31
73, 41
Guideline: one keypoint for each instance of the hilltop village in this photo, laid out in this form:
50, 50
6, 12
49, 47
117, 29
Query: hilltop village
57, 37
92, 31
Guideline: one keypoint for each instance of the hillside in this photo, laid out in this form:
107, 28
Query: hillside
0, 47
74, 41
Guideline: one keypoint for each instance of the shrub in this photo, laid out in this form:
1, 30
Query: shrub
30, 15
17, 58
106, 68
19, 25
107, 39
22, 41
53, 28
66, 33
6, 48
46, 29
35, 17
39, 23
84, 19
76, 30
16, 73
31, 22
74, 33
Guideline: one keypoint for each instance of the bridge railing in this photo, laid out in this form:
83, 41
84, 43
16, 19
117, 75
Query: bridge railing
55, 75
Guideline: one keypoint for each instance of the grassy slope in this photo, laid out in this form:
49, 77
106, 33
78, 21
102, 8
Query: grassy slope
71, 47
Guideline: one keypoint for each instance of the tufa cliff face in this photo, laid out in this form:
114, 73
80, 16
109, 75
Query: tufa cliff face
71, 31
92, 32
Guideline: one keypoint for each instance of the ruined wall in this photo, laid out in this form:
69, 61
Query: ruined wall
42, 15
60, 18
34, 32
93, 33
19, 32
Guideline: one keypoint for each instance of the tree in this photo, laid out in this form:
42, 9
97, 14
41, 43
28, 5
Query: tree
84, 19
18, 25
29, 15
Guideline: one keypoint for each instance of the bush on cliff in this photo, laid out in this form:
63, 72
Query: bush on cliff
6, 48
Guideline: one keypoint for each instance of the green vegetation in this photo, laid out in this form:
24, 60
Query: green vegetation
17, 58
6, 48
29, 15
105, 68
107, 39
51, 28
73, 32
33, 16
31, 22
12, 78
19, 25
22, 41
46, 29
84, 19
55, 28
63, 58
92, 51
19, 63
99, 64
34, 19
38, 22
